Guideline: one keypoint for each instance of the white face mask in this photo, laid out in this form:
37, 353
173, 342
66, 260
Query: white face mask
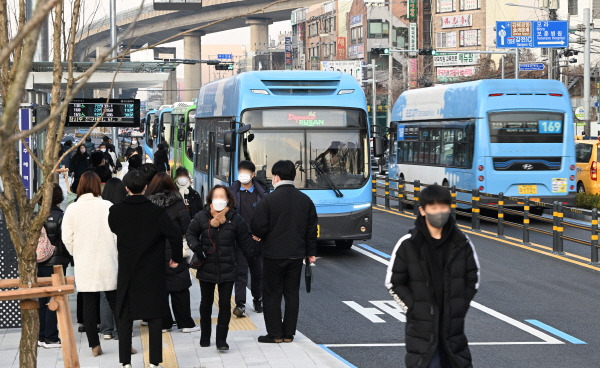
103, 149
244, 178
219, 204
183, 181
134, 144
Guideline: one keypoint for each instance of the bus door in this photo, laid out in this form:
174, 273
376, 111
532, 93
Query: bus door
212, 152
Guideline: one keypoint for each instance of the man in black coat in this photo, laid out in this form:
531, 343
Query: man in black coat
248, 192
161, 158
286, 222
142, 228
434, 274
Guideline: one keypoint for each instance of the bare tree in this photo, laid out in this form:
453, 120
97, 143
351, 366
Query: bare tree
18, 42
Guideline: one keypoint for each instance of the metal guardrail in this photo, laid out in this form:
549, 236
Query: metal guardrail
500, 206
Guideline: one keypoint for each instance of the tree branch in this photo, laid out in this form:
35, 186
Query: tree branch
31, 24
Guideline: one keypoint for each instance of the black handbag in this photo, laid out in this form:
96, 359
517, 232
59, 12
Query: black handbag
307, 275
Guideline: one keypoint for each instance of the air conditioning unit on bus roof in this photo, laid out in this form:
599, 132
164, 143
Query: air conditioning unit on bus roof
182, 104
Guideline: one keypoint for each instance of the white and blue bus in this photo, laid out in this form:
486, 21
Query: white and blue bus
514, 136
316, 119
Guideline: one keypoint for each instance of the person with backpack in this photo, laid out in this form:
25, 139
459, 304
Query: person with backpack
163, 192
48, 335
433, 275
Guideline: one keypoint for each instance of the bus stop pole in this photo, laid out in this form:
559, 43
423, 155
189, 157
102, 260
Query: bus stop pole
374, 90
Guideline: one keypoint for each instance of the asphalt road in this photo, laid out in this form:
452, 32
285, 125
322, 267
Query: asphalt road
350, 311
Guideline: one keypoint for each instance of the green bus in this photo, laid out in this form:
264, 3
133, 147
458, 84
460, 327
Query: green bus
182, 150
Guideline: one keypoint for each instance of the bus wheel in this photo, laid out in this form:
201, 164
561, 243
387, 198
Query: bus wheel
580, 188
344, 244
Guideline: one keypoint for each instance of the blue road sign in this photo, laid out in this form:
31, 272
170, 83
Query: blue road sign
532, 34
531, 66
551, 33
224, 56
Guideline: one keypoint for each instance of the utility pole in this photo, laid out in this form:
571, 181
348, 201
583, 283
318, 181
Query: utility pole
113, 45
516, 63
373, 81
552, 6
586, 70
390, 66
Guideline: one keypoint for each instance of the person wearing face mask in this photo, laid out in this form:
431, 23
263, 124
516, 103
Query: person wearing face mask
286, 221
191, 198
213, 235
80, 162
433, 275
134, 149
108, 160
247, 192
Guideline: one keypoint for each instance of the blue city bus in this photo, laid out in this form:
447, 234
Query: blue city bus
149, 136
316, 119
514, 136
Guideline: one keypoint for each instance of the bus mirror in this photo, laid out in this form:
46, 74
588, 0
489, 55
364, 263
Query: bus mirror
228, 141
181, 133
250, 137
378, 146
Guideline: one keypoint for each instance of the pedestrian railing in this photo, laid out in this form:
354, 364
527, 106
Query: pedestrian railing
502, 205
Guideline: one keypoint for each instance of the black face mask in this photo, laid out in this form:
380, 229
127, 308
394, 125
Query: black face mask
437, 220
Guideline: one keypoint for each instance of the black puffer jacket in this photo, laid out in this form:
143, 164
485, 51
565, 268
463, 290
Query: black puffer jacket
53, 226
217, 245
178, 278
409, 280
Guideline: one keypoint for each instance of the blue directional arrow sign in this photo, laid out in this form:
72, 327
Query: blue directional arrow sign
532, 34
551, 33
531, 66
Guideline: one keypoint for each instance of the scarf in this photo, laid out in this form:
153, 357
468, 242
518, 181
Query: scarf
183, 190
218, 218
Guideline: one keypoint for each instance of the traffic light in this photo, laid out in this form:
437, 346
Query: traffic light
571, 52
224, 66
427, 52
376, 51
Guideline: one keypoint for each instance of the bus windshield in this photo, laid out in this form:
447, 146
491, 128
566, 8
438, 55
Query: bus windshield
341, 155
526, 127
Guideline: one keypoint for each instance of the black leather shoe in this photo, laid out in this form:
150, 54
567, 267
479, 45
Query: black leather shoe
288, 338
269, 340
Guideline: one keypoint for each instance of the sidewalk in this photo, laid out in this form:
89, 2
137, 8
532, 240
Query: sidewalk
181, 350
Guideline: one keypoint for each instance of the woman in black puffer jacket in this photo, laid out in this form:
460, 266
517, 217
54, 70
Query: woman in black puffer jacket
212, 236
163, 192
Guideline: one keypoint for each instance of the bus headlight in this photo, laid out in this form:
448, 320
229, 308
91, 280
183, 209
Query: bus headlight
363, 229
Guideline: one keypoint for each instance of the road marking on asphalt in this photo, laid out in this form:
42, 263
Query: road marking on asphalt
325, 347
467, 229
383, 306
376, 345
520, 325
378, 252
556, 332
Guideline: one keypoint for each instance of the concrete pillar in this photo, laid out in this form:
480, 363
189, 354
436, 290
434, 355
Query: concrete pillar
192, 73
170, 95
259, 33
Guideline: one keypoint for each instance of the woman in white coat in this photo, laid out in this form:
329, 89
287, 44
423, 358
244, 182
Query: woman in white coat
87, 236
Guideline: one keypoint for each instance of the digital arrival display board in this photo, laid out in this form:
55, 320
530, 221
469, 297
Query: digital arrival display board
119, 113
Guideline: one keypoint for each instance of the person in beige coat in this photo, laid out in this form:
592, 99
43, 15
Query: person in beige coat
88, 238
